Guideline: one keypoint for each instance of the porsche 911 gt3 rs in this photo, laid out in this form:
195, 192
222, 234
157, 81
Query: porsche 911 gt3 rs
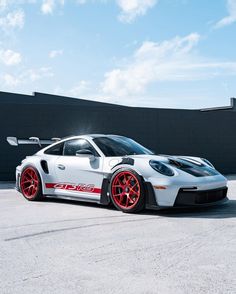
111, 168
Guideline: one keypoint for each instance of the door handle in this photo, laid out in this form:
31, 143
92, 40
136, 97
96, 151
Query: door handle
60, 166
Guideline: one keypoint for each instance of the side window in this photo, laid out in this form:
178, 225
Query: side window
55, 150
72, 146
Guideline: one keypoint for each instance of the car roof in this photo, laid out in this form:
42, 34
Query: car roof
93, 136
103, 135
87, 136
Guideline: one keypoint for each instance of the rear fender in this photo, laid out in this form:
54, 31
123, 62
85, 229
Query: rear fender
36, 164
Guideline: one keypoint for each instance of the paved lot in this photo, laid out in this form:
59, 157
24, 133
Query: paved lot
68, 247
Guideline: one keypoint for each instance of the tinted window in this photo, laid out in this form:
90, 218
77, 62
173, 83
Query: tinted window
55, 150
120, 146
72, 146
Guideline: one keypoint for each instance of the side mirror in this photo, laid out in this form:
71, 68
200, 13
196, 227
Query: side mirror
85, 153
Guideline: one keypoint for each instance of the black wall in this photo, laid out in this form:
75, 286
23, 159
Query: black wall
209, 134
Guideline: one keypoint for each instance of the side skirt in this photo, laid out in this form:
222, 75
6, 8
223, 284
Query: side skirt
105, 198
74, 198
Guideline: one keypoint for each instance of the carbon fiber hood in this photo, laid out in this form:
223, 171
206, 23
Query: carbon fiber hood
191, 165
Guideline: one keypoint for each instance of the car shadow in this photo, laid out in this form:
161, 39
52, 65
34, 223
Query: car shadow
221, 211
226, 210
78, 202
7, 185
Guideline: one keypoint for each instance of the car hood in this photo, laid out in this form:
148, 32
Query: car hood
166, 158
194, 166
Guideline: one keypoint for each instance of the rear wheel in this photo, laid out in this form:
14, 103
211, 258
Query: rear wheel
30, 184
127, 191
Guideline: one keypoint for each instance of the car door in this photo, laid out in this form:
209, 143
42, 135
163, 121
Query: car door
79, 170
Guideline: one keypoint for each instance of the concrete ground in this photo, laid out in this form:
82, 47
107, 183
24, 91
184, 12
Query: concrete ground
67, 247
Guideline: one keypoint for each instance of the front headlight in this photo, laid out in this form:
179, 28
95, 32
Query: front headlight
161, 168
207, 162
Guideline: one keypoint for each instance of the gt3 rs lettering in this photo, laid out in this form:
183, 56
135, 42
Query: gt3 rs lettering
90, 188
74, 187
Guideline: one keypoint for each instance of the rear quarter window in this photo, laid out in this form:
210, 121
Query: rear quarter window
55, 150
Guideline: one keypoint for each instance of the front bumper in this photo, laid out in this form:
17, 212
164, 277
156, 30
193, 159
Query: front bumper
201, 198
173, 186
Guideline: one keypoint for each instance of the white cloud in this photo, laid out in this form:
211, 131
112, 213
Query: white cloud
130, 9
9, 57
3, 4
231, 18
36, 74
13, 20
170, 60
48, 6
55, 53
10, 80
80, 89
133, 8
26, 76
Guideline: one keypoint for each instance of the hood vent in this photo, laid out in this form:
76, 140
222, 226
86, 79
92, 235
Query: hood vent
192, 168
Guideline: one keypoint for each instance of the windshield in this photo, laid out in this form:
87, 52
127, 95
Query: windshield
120, 146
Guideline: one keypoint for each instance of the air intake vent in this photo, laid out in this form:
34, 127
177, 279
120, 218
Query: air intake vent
44, 166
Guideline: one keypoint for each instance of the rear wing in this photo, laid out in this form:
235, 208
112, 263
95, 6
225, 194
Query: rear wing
14, 141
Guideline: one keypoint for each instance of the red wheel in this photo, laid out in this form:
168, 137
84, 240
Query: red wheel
127, 191
30, 184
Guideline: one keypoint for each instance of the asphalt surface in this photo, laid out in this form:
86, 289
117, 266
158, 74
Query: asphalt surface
64, 247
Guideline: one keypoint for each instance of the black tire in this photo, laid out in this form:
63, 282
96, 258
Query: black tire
130, 189
31, 184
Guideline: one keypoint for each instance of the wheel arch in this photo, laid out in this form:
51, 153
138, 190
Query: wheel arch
127, 166
105, 195
150, 199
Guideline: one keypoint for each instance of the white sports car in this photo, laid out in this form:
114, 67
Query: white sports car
111, 168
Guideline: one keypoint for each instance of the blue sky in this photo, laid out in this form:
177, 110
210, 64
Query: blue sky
153, 53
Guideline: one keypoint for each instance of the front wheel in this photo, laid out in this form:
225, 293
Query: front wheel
30, 184
127, 191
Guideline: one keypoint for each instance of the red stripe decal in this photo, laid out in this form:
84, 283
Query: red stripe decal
73, 187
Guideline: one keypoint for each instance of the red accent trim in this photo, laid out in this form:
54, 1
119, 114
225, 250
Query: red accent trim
49, 185
74, 187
